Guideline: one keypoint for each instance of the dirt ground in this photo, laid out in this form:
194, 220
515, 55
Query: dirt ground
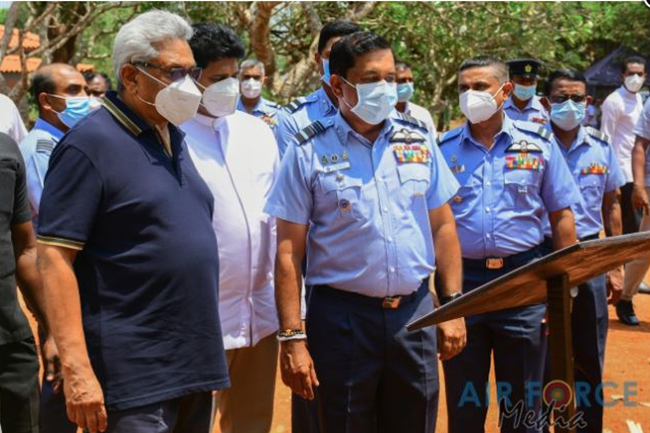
627, 360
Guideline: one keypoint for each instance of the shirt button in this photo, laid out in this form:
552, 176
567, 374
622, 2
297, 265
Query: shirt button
385, 210
390, 239
488, 183
392, 270
488, 236
487, 209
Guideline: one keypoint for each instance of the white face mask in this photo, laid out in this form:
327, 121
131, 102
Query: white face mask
220, 98
633, 83
478, 106
375, 101
251, 88
178, 102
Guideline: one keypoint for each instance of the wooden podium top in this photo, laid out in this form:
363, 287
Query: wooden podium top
527, 284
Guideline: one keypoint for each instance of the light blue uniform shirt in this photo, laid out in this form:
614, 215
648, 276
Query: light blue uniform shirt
502, 205
301, 113
367, 210
534, 111
595, 169
642, 129
265, 110
36, 149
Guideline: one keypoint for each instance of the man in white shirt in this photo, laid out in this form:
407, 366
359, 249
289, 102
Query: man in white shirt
237, 156
10, 122
621, 111
405, 90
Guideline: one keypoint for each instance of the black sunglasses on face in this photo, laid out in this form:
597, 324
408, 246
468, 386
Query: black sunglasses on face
578, 98
175, 74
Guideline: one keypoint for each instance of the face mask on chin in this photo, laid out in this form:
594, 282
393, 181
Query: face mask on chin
177, 102
76, 108
478, 106
375, 101
405, 92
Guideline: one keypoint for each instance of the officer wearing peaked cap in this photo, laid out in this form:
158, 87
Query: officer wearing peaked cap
511, 176
366, 190
524, 104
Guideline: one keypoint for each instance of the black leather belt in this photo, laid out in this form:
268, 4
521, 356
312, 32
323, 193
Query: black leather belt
388, 302
496, 263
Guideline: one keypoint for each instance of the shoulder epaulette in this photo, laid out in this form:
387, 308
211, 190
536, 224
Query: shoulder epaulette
294, 105
311, 131
272, 104
598, 134
535, 128
412, 120
448, 136
44, 146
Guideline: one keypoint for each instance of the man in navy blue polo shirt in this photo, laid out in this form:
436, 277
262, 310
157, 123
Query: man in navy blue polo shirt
128, 251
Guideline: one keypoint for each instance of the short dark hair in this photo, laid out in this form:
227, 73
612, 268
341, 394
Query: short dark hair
211, 42
401, 65
43, 81
91, 75
563, 74
346, 50
335, 29
633, 60
499, 66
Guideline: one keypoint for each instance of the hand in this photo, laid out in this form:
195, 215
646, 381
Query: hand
52, 363
84, 399
452, 338
615, 280
640, 199
297, 368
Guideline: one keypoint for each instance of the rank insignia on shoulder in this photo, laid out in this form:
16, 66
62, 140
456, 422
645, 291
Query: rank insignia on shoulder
406, 153
457, 169
523, 161
406, 136
595, 168
524, 147
539, 120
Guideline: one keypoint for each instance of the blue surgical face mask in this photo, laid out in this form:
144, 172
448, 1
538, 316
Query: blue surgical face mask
326, 72
567, 115
76, 108
375, 101
524, 93
405, 91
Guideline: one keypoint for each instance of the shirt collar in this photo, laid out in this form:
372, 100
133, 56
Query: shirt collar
532, 104
130, 120
43, 125
325, 103
210, 122
506, 129
344, 130
260, 106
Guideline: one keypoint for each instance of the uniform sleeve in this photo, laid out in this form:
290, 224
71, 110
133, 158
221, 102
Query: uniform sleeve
291, 197
609, 116
443, 184
559, 190
71, 199
285, 131
642, 127
12, 167
615, 176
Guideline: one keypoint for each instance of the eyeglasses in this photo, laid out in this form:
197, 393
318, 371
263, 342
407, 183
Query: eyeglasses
578, 98
174, 74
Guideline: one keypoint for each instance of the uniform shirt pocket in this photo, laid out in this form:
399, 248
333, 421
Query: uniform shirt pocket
343, 194
521, 189
591, 188
414, 181
466, 196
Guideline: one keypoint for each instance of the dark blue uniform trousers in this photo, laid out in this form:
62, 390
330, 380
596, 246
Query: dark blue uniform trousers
54, 418
374, 375
516, 338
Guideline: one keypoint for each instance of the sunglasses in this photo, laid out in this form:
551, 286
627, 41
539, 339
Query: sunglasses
175, 74
578, 98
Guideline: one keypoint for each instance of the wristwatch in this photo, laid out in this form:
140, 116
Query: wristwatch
447, 299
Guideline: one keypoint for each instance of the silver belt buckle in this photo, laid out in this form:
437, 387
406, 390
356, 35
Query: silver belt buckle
494, 263
391, 302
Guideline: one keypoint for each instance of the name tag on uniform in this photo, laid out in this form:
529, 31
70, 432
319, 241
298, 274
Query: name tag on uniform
595, 168
339, 166
457, 169
407, 153
523, 161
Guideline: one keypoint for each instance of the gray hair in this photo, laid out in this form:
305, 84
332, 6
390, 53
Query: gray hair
498, 66
138, 40
252, 63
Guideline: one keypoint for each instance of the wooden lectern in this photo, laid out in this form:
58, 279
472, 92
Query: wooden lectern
550, 280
